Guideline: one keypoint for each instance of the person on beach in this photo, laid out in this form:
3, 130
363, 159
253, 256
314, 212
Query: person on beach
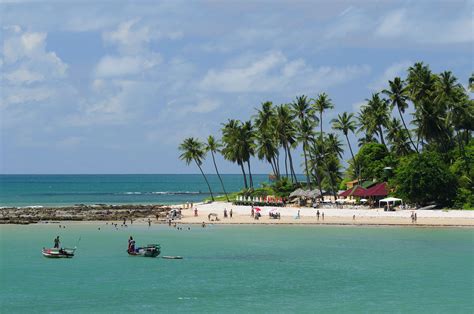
195, 212
412, 216
415, 218
317, 214
252, 212
203, 224
56, 242
298, 216
149, 222
322, 216
169, 222
230, 213
124, 222
353, 217
225, 212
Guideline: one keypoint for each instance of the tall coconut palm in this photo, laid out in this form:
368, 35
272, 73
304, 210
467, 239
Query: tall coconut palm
247, 145
321, 104
266, 137
345, 123
231, 149
397, 136
304, 135
378, 114
193, 150
214, 146
397, 95
302, 110
285, 130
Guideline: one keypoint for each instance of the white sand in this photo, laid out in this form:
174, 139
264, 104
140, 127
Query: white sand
241, 214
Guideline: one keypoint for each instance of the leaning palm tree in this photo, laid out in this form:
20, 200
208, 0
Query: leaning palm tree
397, 95
214, 146
193, 150
345, 123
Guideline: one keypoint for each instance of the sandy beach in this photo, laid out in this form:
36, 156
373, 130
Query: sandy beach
332, 216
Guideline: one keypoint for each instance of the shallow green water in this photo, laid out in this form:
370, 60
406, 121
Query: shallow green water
240, 269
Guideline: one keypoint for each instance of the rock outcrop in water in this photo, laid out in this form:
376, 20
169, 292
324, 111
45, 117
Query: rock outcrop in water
26, 215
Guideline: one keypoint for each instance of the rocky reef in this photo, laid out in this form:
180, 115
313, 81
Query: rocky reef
34, 214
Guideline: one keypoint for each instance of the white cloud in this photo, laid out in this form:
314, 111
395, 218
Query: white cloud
202, 106
274, 72
113, 66
394, 70
416, 26
23, 75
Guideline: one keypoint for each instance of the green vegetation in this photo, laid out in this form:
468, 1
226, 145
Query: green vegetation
427, 156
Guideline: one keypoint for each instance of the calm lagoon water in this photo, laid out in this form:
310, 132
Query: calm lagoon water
270, 269
60, 190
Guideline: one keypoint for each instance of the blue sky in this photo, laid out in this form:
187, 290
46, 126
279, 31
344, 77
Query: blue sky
114, 86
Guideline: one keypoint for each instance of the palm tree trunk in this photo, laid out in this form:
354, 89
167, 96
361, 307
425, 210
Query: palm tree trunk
316, 174
218, 175
292, 170
243, 173
277, 163
408, 132
286, 161
207, 182
353, 160
308, 182
250, 174
382, 141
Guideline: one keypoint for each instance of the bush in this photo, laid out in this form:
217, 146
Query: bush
425, 179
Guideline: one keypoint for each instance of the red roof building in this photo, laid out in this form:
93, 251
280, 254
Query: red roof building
380, 189
355, 191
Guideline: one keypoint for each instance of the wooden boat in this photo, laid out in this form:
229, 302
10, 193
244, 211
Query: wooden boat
150, 250
58, 252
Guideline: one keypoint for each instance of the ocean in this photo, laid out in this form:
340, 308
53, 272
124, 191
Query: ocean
239, 269
63, 190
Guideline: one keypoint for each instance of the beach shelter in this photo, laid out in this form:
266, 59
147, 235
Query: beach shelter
389, 200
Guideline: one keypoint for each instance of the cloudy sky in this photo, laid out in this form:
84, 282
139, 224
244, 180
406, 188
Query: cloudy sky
113, 87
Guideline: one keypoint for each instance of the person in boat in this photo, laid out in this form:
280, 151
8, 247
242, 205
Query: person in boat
131, 244
56, 242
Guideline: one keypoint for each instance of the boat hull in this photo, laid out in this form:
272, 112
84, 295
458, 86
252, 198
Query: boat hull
151, 250
58, 253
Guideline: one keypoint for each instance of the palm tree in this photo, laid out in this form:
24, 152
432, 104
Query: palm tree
322, 103
214, 146
247, 145
346, 123
266, 137
376, 114
398, 98
285, 130
193, 150
231, 149
398, 138
301, 110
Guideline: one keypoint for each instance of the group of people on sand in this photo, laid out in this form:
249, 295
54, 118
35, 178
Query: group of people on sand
228, 214
414, 218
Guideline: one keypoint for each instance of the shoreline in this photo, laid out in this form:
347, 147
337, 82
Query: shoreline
349, 216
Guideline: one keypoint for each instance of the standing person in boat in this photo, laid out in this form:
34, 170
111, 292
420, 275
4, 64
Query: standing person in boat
56, 242
131, 244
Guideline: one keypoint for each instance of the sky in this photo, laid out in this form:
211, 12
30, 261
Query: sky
115, 86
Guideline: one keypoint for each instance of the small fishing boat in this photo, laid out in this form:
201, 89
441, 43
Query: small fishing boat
172, 257
150, 250
58, 252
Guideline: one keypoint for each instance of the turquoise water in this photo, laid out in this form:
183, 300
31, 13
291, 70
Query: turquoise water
59, 190
240, 269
